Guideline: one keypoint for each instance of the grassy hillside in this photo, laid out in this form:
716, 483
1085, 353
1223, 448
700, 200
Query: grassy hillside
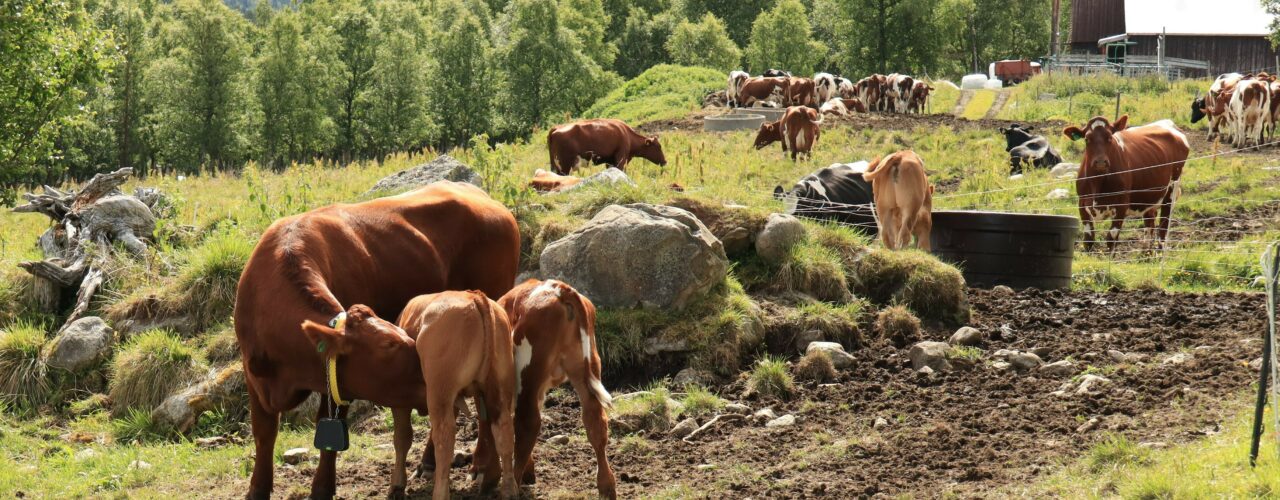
663, 92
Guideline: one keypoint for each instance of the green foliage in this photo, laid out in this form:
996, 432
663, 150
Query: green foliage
460, 86
396, 100
934, 290
221, 346
24, 378
738, 15
705, 43
135, 426
356, 31
663, 92
643, 39
148, 369
650, 410
50, 52
588, 21
771, 379
884, 36
780, 38
293, 86
1116, 451
700, 402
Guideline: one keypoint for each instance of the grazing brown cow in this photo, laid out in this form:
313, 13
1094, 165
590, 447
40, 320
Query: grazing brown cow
904, 199
919, 98
555, 342
549, 182
842, 107
381, 253
764, 92
1128, 169
602, 141
798, 129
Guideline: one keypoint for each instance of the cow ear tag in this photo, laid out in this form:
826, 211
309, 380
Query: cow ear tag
332, 435
1075, 136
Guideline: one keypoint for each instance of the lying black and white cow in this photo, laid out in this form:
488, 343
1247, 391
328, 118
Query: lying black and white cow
773, 73
835, 193
1024, 148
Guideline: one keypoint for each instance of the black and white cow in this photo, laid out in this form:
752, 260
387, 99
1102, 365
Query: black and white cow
1025, 148
836, 193
772, 73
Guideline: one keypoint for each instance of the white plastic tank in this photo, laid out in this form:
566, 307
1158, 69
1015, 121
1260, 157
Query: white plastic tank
973, 82
994, 83
991, 71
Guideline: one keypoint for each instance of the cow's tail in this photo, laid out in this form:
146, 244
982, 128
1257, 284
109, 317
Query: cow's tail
481, 302
881, 165
819, 120
586, 334
551, 152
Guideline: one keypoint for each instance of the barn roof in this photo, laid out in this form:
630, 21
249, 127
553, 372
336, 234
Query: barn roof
1196, 17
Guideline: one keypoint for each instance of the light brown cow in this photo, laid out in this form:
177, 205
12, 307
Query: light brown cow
919, 98
600, 141
904, 199
550, 182
802, 92
843, 107
798, 130
555, 342
764, 92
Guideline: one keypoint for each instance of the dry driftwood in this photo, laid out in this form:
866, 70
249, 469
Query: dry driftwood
86, 225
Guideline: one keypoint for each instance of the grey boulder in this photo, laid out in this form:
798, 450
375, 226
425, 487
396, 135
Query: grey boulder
638, 255
83, 344
443, 168
780, 233
929, 354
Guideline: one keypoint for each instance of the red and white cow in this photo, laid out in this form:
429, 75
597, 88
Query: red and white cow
825, 86
1250, 111
769, 92
842, 107
798, 130
736, 79
919, 98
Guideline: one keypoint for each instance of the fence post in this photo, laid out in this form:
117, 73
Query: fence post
1271, 270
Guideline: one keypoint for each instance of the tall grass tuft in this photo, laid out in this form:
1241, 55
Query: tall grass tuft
934, 290
204, 290
816, 366
771, 379
698, 401
897, 324
151, 367
24, 377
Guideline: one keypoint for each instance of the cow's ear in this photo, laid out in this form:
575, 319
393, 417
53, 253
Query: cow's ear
1028, 129
1073, 133
777, 191
1121, 124
327, 341
1004, 130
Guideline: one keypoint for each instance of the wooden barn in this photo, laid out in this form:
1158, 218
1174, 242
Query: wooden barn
1200, 37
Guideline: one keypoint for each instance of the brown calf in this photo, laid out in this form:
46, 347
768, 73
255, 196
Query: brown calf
919, 98
600, 141
843, 107
798, 129
904, 199
1128, 169
549, 182
555, 342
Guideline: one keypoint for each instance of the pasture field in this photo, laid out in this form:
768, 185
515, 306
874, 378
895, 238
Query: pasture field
1173, 332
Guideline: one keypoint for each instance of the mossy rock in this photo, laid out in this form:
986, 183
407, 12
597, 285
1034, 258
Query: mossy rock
932, 289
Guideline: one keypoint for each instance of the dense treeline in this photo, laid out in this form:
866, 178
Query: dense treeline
195, 85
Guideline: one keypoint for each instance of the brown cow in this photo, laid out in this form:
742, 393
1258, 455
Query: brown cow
802, 92
843, 107
764, 91
1128, 169
381, 253
555, 342
871, 92
1216, 104
549, 182
798, 129
602, 141
1250, 111
919, 98
904, 199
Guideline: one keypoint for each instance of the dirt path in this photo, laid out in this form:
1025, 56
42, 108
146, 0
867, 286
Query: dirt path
998, 105
965, 97
970, 431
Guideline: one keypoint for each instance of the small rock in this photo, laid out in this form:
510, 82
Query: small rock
839, 358
86, 454
1062, 368
1002, 290
1177, 359
966, 335
1025, 361
558, 440
737, 409
766, 414
1006, 332
1015, 177
1157, 445
692, 376
880, 423
1088, 426
139, 465
1204, 348
684, 428
296, 456
1256, 364
924, 370
783, 421
1090, 384
1043, 352
1117, 356
780, 233
803, 339
1058, 194
1001, 366
1064, 170
929, 354
210, 442
737, 241
705, 467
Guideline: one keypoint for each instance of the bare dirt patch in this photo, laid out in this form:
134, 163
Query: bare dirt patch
969, 431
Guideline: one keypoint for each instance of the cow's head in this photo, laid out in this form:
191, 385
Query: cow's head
769, 133
651, 149
1197, 109
1016, 135
1101, 146
361, 334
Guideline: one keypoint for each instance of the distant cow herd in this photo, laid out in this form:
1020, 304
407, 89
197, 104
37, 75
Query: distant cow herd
1242, 108
832, 94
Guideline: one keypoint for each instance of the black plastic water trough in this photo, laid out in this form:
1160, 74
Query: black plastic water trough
1015, 250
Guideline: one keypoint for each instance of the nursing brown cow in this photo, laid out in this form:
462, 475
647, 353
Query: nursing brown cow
381, 253
1128, 169
602, 141
798, 129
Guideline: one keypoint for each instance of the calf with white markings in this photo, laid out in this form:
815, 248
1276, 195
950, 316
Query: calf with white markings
553, 330
842, 107
1128, 169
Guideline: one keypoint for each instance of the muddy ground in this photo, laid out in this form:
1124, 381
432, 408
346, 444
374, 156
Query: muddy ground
1179, 370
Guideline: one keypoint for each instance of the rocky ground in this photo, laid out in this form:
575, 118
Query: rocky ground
1056, 373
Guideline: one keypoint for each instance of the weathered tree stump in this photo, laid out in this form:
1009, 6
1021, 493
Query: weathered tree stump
86, 225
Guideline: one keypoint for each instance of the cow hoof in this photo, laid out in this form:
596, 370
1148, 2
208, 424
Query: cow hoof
322, 495
424, 470
397, 493
529, 477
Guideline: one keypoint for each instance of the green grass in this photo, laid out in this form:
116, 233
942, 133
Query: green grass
700, 402
24, 378
979, 104
150, 368
653, 410
663, 92
771, 379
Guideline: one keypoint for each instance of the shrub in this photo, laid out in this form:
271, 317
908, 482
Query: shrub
816, 366
92, 404
897, 324
771, 379
205, 290
135, 426
221, 346
934, 290
704, 43
149, 368
698, 401
24, 378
